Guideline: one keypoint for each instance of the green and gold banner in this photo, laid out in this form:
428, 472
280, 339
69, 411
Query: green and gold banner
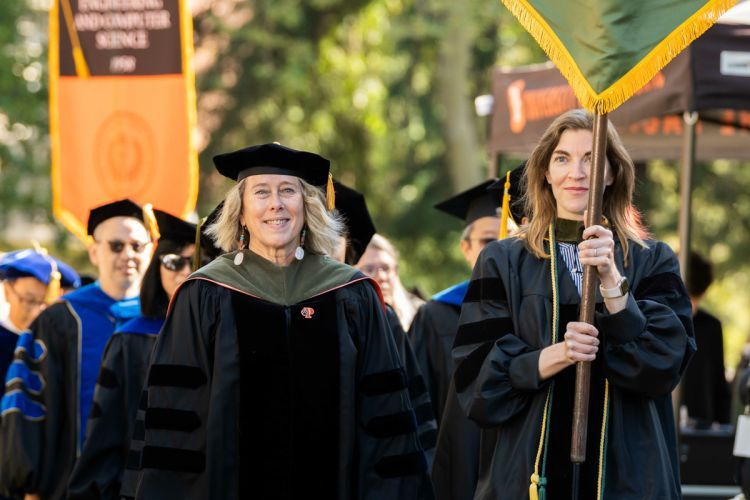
609, 49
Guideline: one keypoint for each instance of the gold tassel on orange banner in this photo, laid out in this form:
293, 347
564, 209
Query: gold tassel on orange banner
330, 194
506, 208
150, 219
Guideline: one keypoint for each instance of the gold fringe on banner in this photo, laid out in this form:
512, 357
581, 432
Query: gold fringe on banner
636, 77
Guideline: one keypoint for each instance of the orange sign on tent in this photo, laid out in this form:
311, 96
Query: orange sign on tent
122, 106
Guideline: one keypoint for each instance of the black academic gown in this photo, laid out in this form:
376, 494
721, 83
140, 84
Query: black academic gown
278, 382
456, 461
418, 394
432, 333
704, 388
46, 406
504, 325
106, 456
457, 454
8, 339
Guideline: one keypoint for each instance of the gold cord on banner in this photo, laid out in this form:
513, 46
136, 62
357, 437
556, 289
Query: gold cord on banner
82, 68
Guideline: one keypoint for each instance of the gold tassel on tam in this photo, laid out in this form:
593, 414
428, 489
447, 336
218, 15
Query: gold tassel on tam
330, 194
506, 208
150, 219
197, 250
53, 289
54, 285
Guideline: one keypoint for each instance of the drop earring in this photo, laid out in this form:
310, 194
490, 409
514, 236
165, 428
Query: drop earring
240, 256
299, 252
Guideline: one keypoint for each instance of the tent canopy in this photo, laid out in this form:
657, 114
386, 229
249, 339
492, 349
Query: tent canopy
712, 77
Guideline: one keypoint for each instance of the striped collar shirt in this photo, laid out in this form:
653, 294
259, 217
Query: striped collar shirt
569, 252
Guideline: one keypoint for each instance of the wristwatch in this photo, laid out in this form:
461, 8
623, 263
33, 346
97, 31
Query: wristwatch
620, 289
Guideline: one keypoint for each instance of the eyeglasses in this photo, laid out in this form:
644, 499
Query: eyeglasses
174, 262
27, 302
373, 269
117, 246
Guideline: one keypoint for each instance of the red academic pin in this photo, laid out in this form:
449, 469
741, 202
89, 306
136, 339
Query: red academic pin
307, 312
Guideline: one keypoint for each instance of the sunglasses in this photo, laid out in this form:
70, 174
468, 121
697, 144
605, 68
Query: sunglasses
117, 246
174, 262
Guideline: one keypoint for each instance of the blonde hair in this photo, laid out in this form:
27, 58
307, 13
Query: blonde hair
539, 201
323, 227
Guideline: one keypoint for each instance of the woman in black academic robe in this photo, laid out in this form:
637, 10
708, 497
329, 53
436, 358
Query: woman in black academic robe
519, 338
275, 375
106, 460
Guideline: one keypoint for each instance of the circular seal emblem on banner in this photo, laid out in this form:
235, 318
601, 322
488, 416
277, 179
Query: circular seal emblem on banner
124, 153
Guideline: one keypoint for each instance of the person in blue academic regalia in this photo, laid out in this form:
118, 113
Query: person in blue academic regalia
106, 461
45, 409
31, 280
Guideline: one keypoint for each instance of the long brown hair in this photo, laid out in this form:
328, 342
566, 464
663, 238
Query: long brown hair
539, 201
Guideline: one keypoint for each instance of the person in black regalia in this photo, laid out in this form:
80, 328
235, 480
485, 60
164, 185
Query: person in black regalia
435, 324
275, 375
519, 337
705, 390
31, 280
457, 454
45, 409
359, 230
106, 455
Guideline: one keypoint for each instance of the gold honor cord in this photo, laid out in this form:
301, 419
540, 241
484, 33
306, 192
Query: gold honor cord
603, 444
538, 482
82, 69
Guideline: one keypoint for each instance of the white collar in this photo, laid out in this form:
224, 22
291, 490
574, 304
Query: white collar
10, 326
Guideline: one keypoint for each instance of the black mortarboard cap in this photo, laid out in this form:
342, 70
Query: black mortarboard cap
173, 228
472, 204
273, 159
352, 206
515, 191
120, 208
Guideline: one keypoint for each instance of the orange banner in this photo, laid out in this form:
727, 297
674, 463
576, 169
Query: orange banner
122, 106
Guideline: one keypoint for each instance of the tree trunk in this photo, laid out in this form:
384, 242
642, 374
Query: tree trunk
463, 152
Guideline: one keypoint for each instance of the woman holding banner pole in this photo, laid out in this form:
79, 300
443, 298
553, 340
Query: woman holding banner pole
519, 336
